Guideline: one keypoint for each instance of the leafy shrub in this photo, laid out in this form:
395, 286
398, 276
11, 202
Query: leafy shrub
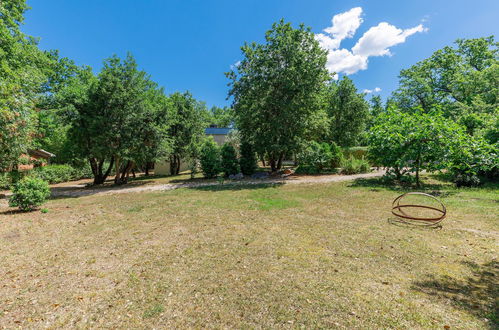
306, 169
61, 173
356, 152
229, 163
248, 159
29, 193
210, 158
317, 157
354, 166
336, 155
471, 159
4, 180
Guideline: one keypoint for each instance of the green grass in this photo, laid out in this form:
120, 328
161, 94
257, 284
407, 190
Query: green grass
292, 256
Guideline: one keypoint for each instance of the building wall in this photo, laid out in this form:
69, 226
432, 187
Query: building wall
162, 167
219, 138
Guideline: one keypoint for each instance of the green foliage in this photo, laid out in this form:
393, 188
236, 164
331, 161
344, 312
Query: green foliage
247, 160
186, 130
120, 117
277, 89
355, 166
408, 143
210, 158
348, 112
473, 159
229, 163
356, 152
29, 193
22, 75
317, 157
222, 117
61, 173
460, 81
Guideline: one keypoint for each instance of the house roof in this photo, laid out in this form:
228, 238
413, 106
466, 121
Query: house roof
217, 130
40, 153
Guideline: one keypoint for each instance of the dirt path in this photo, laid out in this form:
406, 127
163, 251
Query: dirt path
79, 190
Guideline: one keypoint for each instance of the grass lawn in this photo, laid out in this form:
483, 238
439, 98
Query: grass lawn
311, 255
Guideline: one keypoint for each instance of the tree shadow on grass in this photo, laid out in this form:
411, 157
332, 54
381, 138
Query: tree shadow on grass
64, 192
478, 294
237, 186
15, 211
435, 189
414, 224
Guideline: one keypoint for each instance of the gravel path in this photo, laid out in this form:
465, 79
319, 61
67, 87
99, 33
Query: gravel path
79, 190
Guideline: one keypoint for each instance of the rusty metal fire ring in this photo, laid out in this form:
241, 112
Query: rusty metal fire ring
398, 210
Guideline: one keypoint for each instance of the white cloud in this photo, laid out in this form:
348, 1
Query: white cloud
342, 60
343, 26
369, 91
375, 42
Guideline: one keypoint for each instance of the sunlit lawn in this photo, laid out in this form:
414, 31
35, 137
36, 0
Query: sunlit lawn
321, 255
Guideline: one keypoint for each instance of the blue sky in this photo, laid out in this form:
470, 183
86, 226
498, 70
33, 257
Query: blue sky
188, 45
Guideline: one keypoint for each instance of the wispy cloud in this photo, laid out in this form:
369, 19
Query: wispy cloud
369, 91
374, 42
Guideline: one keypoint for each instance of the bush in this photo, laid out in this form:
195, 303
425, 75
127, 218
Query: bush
229, 163
29, 193
306, 169
354, 166
471, 160
317, 157
4, 180
248, 159
210, 159
356, 152
61, 173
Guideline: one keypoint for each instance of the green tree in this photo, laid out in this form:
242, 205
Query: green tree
222, 117
229, 162
118, 118
247, 161
407, 143
187, 128
210, 158
462, 82
22, 74
348, 112
277, 90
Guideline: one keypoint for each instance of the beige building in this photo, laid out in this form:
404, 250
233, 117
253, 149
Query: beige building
219, 135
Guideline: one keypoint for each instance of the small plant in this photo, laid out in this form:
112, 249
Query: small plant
248, 159
29, 193
354, 166
319, 157
44, 210
210, 159
229, 163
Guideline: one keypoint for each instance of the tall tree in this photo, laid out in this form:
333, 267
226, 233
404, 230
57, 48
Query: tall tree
348, 112
276, 89
461, 81
222, 117
187, 128
115, 117
22, 75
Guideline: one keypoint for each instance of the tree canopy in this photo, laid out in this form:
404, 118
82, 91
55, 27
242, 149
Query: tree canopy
277, 89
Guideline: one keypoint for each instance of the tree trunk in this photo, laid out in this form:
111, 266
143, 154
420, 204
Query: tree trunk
146, 170
117, 173
272, 164
262, 158
172, 164
279, 161
177, 171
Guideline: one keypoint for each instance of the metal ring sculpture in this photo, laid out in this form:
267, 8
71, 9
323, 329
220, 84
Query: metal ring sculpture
398, 210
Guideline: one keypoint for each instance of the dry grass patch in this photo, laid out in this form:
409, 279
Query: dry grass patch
316, 255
